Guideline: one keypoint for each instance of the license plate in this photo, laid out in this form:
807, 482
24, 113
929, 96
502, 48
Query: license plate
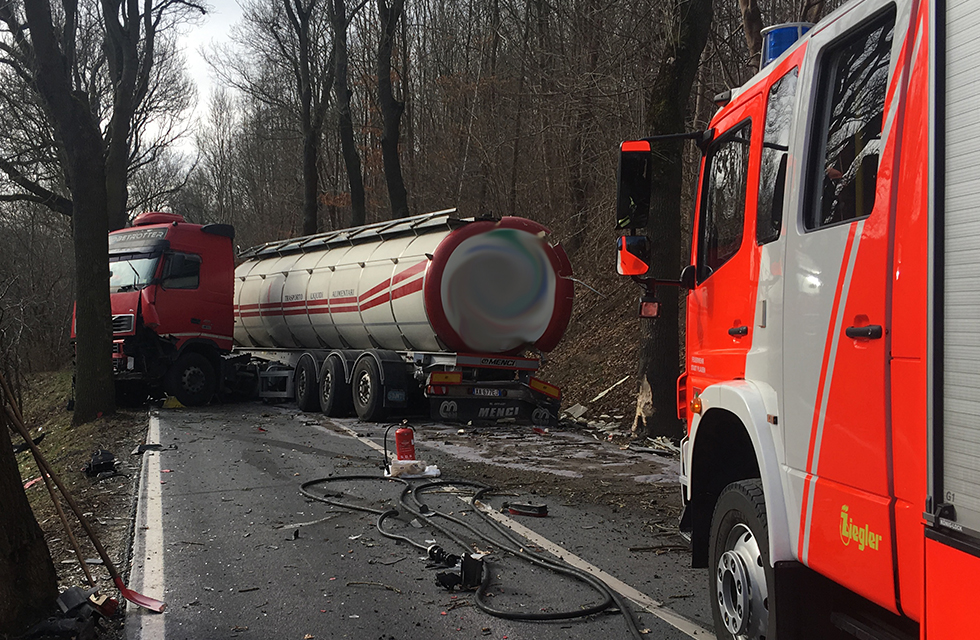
488, 393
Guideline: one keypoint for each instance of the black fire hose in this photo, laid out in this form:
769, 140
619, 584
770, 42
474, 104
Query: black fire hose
422, 512
521, 551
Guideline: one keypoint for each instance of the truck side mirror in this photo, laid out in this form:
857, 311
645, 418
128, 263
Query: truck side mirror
689, 277
633, 185
632, 255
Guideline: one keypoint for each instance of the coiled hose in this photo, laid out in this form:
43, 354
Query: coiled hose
516, 547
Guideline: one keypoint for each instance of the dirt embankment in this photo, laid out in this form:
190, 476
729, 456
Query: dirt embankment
107, 501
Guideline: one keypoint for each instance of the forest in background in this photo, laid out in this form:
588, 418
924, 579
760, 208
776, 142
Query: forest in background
506, 107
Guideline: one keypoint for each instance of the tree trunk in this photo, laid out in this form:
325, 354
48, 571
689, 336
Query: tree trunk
667, 113
311, 182
300, 16
80, 143
812, 10
391, 109
345, 123
752, 26
28, 583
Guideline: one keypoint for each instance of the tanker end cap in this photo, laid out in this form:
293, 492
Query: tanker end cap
499, 287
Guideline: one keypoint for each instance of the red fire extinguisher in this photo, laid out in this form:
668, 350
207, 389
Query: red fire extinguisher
405, 443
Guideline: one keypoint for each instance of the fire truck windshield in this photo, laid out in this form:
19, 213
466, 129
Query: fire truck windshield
133, 272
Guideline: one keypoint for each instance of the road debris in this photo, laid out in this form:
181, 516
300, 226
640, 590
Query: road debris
603, 394
374, 584
523, 509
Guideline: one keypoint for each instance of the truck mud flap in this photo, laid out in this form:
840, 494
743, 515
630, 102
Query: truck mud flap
489, 411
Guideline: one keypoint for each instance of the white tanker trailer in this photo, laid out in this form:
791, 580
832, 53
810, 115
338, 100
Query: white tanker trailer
433, 307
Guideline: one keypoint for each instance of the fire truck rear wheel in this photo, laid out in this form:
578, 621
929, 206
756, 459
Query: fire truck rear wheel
335, 392
305, 387
368, 391
742, 578
191, 380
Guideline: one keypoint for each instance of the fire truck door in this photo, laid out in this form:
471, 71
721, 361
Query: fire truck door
721, 306
836, 419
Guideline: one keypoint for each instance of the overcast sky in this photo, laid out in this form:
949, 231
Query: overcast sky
213, 28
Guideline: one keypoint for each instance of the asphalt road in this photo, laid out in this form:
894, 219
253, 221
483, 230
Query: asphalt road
227, 539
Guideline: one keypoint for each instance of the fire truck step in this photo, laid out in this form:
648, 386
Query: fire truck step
864, 628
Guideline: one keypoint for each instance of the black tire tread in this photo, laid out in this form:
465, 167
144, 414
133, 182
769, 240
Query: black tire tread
752, 492
342, 405
309, 401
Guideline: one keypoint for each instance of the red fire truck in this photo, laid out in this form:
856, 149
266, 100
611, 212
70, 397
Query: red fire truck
831, 468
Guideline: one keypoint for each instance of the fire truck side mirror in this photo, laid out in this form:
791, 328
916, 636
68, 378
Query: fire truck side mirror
632, 255
633, 185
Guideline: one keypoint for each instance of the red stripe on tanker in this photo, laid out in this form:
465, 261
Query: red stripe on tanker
430, 283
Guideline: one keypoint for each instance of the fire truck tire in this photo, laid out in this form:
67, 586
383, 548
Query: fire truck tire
335, 392
368, 391
742, 578
305, 387
191, 380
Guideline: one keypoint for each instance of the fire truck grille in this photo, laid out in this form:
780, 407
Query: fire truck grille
117, 347
123, 323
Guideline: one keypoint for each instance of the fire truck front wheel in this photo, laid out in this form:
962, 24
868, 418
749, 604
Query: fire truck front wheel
742, 577
191, 380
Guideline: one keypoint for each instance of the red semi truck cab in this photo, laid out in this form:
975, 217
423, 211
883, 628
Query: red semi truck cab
171, 288
830, 470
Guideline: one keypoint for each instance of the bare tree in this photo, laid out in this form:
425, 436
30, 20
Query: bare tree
28, 583
391, 108
667, 108
345, 124
284, 57
752, 25
54, 56
812, 10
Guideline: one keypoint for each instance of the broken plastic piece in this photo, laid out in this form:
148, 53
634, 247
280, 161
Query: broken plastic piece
471, 571
536, 510
74, 597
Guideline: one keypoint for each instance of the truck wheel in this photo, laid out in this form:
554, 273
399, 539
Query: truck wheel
335, 393
742, 578
191, 380
368, 392
304, 385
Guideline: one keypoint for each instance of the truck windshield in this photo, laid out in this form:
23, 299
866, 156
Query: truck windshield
130, 273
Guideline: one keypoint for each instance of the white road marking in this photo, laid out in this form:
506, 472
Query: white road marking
671, 617
146, 575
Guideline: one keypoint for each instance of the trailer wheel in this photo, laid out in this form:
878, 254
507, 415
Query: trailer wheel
191, 380
368, 391
742, 580
335, 392
304, 385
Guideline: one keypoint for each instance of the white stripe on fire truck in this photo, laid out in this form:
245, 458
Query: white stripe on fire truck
837, 321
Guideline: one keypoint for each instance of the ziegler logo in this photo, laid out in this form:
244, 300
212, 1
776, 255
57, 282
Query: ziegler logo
862, 535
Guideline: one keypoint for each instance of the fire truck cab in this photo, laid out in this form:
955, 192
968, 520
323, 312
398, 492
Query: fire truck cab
831, 468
